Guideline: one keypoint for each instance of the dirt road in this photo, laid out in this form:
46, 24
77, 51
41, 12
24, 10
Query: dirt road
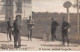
35, 44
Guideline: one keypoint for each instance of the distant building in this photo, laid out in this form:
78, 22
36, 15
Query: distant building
11, 8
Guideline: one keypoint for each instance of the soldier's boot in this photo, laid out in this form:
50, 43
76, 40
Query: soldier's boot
19, 46
10, 39
67, 42
30, 39
63, 42
54, 38
19, 43
15, 44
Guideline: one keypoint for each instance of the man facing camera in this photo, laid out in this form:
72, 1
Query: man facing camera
30, 26
17, 32
54, 25
65, 27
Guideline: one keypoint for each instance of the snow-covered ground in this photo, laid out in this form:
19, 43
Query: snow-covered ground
35, 45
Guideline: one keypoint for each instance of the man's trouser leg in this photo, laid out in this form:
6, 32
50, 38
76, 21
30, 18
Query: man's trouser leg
19, 39
10, 34
15, 41
30, 34
52, 34
67, 39
63, 37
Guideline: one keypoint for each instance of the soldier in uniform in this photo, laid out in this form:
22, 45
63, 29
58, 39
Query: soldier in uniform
65, 27
9, 28
30, 26
17, 32
54, 25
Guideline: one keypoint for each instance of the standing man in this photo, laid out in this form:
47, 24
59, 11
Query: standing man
9, 29
65, 27
30, 26
17, 32
54, 25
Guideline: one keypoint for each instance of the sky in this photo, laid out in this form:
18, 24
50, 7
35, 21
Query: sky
51, 6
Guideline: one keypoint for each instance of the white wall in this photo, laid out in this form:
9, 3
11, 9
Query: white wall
27, 9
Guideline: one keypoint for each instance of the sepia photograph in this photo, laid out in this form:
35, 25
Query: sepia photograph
39, 25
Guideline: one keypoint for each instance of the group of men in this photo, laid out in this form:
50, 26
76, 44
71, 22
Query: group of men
65, 27
15, 29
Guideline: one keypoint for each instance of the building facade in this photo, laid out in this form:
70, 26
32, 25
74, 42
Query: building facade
15, 7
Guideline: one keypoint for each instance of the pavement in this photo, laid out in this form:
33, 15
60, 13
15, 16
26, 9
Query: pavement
35, 45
